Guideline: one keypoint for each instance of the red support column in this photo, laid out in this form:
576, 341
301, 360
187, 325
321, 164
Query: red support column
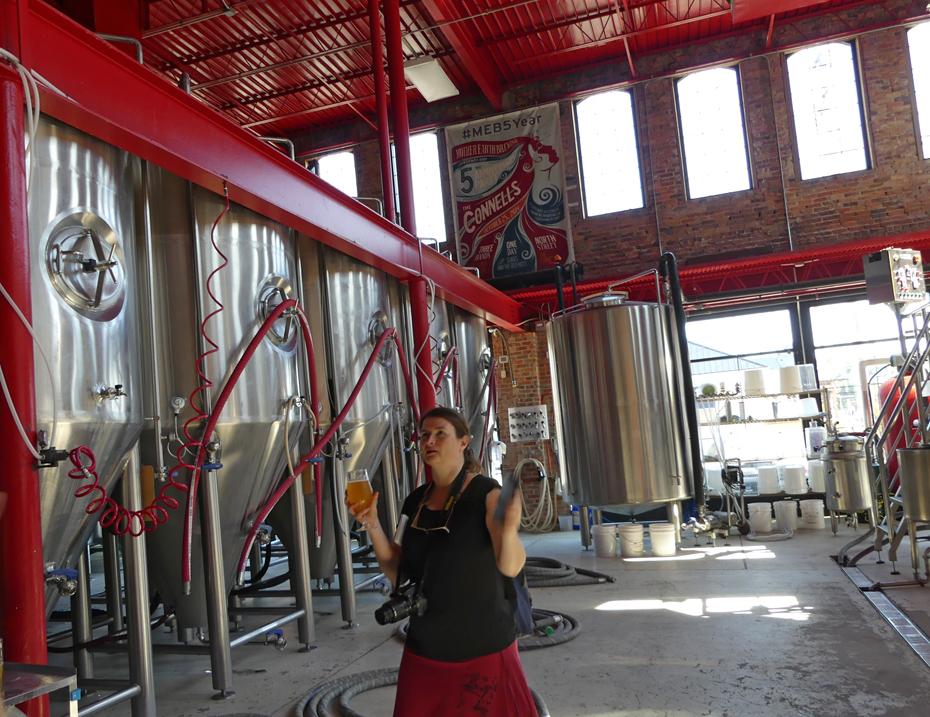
398, 82
22, 583
384, 132
419, 310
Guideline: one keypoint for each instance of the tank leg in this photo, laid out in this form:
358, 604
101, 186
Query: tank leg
82, 619
112, 581
299, 564
217, 613
585, 526
343, 548
137, 599
915, 552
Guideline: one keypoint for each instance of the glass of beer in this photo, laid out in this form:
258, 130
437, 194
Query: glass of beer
358, 491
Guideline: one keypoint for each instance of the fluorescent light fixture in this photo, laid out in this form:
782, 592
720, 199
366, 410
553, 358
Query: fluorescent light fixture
427, 76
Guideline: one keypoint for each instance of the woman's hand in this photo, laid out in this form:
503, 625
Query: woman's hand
369, 515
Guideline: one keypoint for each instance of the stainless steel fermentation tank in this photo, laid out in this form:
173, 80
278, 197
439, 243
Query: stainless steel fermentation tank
359, 302
261, 272
621, 427
474, 373
846, 475
85, 307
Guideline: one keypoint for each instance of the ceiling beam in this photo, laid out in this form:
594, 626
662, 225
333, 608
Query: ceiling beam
197, 19
463, 42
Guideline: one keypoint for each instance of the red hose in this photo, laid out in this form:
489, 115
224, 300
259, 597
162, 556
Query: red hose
115, 516
324, 439
217, 410
492, 401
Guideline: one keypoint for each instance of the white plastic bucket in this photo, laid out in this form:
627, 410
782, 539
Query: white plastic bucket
789, 379
760, 517
815, 475
754, 382
786, 514
631, 540
605, 540
663, 539
794, 480
565, 523
768, 480
814, 437
812, 514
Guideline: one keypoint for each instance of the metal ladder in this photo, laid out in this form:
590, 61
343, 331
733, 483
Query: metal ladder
887, 431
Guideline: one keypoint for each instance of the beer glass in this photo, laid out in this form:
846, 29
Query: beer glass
358, 491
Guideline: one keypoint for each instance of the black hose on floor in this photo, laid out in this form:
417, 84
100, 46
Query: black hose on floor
549, 573
564, 628
322, 700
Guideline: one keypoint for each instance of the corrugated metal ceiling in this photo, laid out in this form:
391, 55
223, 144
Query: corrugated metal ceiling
283, 67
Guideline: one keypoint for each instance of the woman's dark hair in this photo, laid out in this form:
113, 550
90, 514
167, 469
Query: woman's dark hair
460, 425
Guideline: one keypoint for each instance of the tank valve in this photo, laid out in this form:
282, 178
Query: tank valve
276, 638
102, 392
263, 536
64, 580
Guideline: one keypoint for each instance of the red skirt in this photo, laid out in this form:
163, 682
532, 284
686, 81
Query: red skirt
490, 686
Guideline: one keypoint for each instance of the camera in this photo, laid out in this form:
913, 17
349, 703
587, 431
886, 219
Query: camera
404, 602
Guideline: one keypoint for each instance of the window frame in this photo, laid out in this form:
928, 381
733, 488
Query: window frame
745, 126
923, 150
863, 115
636, 143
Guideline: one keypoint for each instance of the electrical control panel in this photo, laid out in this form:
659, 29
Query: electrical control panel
528, 423
894, 276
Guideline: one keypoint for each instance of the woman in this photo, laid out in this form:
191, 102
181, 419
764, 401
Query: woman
460, 657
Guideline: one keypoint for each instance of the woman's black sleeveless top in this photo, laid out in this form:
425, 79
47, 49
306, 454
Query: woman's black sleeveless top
468, 613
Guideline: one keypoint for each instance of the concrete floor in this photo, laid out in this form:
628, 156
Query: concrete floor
745, 629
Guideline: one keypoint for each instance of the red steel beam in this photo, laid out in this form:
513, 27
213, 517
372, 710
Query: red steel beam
120, 102
462, 40
753, 278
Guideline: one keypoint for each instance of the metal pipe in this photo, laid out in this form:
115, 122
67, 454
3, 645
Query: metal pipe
135, 567
109, 701
128, 40
398, 82
343, 547
22, 589
111, 579
389, 480
291, 152
381, 107
419, 311
244, 638
300, 566
81, 618
109, 685
148, 262
668, 267
214, 578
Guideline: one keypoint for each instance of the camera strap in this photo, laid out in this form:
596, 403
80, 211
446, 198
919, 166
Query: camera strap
455, 492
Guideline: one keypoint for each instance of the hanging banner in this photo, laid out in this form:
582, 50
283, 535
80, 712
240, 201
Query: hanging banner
508, 186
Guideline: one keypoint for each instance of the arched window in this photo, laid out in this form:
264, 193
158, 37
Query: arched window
609, 160
825, 100
918, 43
713, 134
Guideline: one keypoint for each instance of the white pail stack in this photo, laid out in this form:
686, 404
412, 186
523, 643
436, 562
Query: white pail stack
768, 480
605, 540
754, 382
789, 379
631, 540
812, 514
760, 517
786, 514
794, 480
663, 539
815, 475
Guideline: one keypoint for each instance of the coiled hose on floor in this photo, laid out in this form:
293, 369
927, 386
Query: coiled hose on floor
549, 573
561, 628
331, 699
